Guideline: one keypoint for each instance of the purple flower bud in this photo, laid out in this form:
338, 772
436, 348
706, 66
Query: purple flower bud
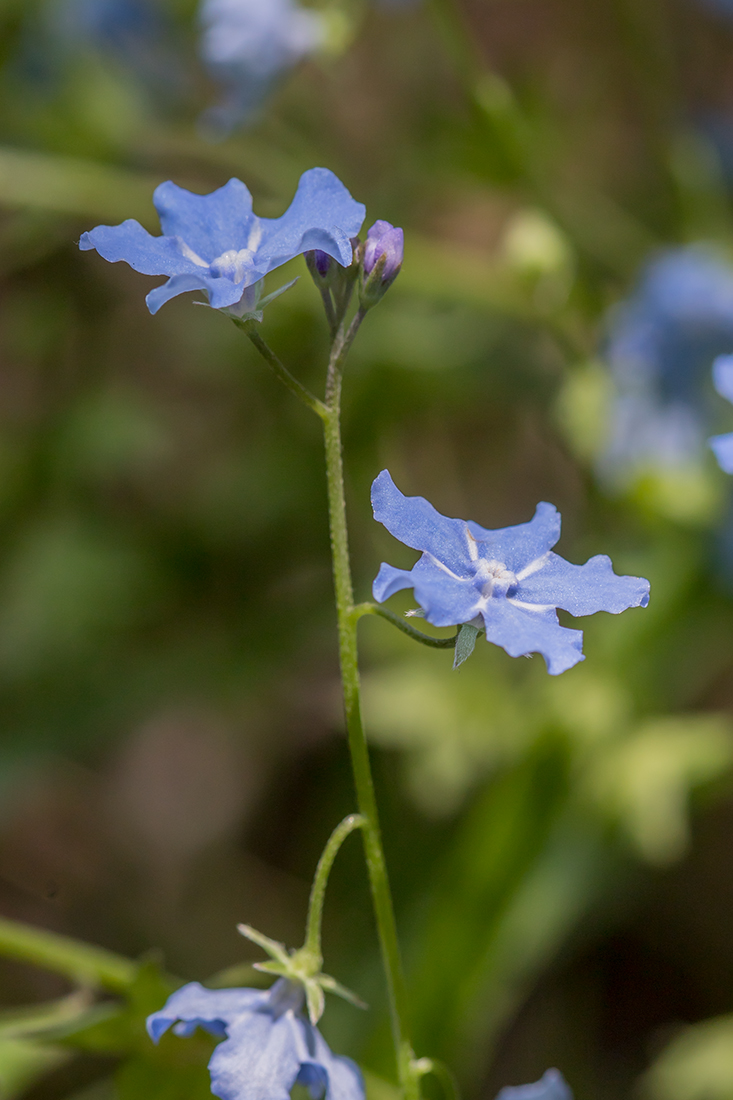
384, 240
322, 261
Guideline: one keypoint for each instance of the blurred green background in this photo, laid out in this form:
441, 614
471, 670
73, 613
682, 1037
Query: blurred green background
171, 749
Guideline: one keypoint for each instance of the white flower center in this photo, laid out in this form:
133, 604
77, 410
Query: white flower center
493, 578
232, 264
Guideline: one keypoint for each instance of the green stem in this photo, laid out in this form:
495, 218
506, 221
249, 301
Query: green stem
282, 372
320, 880
374, 852
363, 609
82, 963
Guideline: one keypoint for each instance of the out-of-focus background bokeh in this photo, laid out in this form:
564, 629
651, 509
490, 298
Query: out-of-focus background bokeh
171, 747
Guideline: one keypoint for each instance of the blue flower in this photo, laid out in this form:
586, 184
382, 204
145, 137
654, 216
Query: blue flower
662, 342
217, 244
722, 445
508, 581
247, 45
269, 1044
551, 1086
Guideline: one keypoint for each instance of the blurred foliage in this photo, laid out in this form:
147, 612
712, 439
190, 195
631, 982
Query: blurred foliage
171, 756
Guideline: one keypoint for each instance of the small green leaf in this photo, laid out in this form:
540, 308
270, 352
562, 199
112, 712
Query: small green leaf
465, 642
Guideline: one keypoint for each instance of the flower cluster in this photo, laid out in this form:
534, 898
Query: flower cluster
662, 342
722, 445
507, 581
216, 242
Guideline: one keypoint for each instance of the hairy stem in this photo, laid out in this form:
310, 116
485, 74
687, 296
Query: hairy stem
320, 880
282, 372
374, 852
362, 609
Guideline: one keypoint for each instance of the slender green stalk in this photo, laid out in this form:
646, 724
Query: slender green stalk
282, 372
330, 413
320, 880
80, 962
363, 609
347, 622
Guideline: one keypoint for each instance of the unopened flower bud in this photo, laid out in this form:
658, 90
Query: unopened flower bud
384, 240
383, 252
321, 266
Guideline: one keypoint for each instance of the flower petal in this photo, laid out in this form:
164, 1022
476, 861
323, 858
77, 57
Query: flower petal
345, 1081
445, 599
414, 521
260, 1060
197, 1006
322, 215
209, 224
552, 1086
520, 631
722, 445
723, 376
144, 253
583, 589
520, 546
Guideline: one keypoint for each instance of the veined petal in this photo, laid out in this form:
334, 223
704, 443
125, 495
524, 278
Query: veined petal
519, 631
345, 1081
209, 224
723, 376
551, 1086
196, 1005
583, 589
722, 445
519, 547
322, 215
177, 284
414, 521
445, 599
260, 1059
144, 253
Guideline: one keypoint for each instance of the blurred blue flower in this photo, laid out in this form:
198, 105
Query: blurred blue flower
507, 581
722, 445
247, 45
661, 344
269, 1046
136, 33
551, 1086
216, 243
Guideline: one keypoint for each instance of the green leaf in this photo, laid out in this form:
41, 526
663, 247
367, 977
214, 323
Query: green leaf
22, 1062
465, 643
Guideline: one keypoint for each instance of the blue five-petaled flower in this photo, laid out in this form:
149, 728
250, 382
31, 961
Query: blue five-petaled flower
216, 243
722, 445
507, 581
269, 1044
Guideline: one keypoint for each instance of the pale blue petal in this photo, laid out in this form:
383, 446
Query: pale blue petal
520, 632
196, 1005
722, 445
583, 589
322, 215
517, 547
552, 1086
261, 1058
345, 1081
389, 580
144, 253
446, 600
414, 521
178, 284
723, 376
209, 224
